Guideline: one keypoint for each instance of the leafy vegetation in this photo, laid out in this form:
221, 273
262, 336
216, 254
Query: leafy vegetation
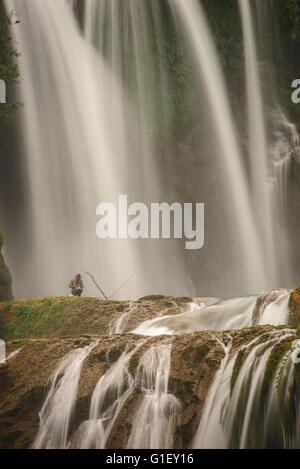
9, 70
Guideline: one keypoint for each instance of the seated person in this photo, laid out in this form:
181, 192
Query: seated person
76, 285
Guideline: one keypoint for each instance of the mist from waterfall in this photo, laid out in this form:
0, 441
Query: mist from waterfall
84, 144
95, 104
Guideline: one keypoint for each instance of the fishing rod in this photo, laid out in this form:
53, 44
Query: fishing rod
113, 293
99, 288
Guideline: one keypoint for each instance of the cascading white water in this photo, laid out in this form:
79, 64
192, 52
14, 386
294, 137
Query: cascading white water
248, 252
240, 401
56, 413
247, 401
108, 399
118, 326
234, 313
154, 423
207, 433
85, 143
283, 141
260, 185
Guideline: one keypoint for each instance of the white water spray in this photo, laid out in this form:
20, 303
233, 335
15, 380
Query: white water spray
208, 433
234, 313
108, 399
154, 423
57, 411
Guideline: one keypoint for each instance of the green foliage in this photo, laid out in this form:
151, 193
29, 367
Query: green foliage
289, 17
227, 33
277, 355
9, 70
240, 360
33, 318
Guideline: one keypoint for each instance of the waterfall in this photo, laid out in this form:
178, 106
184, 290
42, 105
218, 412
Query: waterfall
118, 326
248, 391
258, 143
85, 141
284, 140
208, 434
72, 134
158, 410
56, 413
248, 252
234, 313
97, 100
108, 399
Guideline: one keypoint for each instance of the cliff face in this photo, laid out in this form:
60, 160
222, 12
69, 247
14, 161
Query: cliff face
5, 277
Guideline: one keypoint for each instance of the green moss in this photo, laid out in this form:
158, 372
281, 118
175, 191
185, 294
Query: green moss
276, 356
195, 352
35, 396
33, 318
179, 388
240, 360
112, 394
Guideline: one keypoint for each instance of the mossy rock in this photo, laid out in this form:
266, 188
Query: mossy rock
5, 277
152, 298
240, 360
294, 306
179, 388
276, 356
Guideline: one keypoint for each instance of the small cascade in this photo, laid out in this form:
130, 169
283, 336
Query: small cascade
256, 384
206, 432
108, 399
272, 308
56, 413
2, 351
154, 423
235, 313
118, 326
253, 397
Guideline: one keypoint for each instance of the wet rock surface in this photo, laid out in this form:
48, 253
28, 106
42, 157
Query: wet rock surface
24, 380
